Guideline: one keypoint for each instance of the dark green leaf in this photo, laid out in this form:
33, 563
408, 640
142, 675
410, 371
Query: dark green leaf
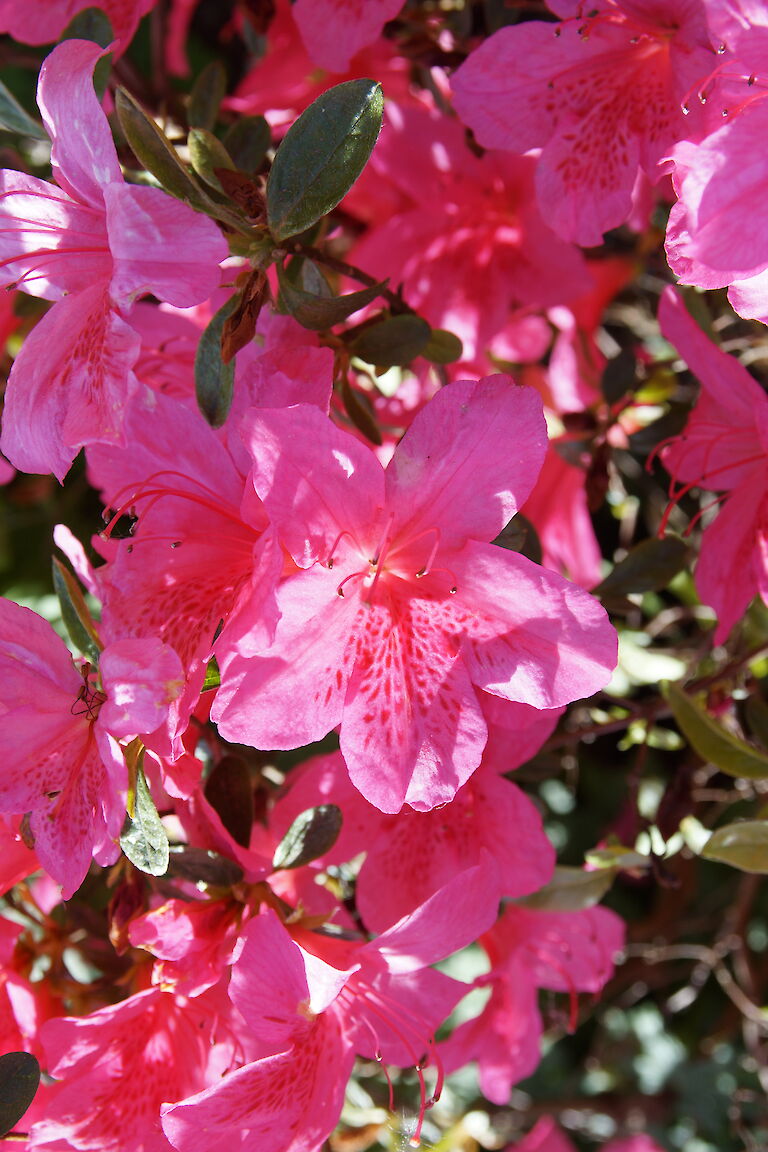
229, 792
359, 412
143, 838
743, 845
619, 376
394, 341
247, 142
648, 567
19, 1079
153, 150
322, 155
207, 153
317, 311
14, 119
206, 96
519, 535
312, 833
202, 866
214, 380
74, 612
90, 24
442, 347
728, 753
571, 889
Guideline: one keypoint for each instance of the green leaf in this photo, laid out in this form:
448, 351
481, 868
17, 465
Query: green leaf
316, 311
207, 153
153, 150
206, 96
212, 676
744, 845
312, 834
229, 792
247, 142
90, 24
519, 535
143, 838
359, 412
616, 856
75, 614
394, 341
203, 866
19, 1080
214, 380
322, 155
443, 347
14, 119
728, 753
648, 567
571, 889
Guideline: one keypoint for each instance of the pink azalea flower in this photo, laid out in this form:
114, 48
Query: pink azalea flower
724, 448
116, 1067
58, 741
400, 614
600, 93
467, 241
411, 855
93, 244
311, 1003
567, 952
333, 31
201, 551
717, 234
287, 79
44, 22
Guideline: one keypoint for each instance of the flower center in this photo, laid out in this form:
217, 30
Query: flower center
393, 554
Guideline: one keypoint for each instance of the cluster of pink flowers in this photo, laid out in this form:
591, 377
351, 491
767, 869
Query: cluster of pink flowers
335, 586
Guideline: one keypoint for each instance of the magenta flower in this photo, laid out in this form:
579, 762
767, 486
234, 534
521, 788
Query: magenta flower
724, 448
401, 614
58, 740
567, 952
467, 240
600, 93
116, 1067
45, 20
311, 1003
93, 244
333, 31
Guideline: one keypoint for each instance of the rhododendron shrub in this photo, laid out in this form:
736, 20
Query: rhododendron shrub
383, 754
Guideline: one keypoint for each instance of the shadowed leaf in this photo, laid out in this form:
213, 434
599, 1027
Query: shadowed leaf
19, 1080
322, 155
312, 833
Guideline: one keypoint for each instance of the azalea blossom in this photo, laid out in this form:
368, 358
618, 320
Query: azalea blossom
464, 236
93, 244
59, 748
601, 93
44, 22
310, 1002
723, 448
400, 614
529, 949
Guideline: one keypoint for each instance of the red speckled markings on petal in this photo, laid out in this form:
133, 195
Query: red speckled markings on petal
410, 706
